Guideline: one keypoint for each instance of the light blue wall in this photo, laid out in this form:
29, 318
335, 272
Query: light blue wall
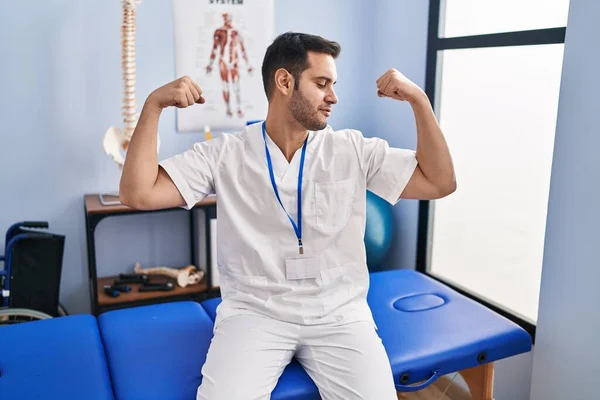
567, 351
61, 89
399, 41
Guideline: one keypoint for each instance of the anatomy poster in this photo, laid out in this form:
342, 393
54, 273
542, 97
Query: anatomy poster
221, 44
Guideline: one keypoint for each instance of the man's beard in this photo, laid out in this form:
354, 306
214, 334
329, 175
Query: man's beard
303, 112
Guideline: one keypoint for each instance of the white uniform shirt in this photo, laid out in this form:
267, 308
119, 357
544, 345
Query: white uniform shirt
255, 235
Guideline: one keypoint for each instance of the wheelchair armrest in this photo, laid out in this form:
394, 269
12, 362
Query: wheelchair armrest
35, 224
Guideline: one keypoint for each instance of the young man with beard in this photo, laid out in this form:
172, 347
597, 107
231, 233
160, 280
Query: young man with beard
292, 196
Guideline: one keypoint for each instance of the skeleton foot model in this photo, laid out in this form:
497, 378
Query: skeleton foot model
116, 140
189, 275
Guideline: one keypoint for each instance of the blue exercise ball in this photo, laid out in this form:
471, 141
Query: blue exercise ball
379, 230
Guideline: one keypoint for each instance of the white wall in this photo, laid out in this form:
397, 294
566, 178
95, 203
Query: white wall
566, 357
512, 377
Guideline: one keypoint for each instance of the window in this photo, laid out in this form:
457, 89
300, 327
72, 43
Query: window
493, 75
477, 17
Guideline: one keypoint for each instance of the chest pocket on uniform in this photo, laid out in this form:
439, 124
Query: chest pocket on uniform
333, 204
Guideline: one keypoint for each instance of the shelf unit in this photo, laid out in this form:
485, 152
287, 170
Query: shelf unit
95, 212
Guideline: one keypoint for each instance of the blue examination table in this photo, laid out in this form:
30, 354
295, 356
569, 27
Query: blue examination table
156, 352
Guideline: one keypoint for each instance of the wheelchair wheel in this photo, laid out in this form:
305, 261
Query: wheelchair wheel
62, 311
11, 316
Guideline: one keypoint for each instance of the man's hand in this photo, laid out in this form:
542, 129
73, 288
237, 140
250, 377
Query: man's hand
396, 86
180, 93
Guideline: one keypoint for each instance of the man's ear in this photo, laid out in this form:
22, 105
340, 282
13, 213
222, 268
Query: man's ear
284, 81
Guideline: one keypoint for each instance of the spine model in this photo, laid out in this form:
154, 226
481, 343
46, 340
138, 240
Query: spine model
117, 140
130, 116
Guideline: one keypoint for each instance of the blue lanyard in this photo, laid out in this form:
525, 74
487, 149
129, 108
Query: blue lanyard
297, 228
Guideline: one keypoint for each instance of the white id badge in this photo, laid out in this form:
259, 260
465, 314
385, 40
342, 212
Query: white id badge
301, 267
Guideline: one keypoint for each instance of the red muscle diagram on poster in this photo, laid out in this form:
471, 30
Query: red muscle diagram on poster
220, 44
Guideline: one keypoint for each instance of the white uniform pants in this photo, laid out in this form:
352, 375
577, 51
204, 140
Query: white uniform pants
249, 353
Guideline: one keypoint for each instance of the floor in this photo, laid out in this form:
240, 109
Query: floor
443, 389
431, 393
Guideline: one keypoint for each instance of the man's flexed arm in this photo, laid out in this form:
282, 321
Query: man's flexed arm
144, 185
434, 176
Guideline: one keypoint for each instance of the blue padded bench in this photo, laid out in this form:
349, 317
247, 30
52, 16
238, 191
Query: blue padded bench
157, 351
60, 358
428, 330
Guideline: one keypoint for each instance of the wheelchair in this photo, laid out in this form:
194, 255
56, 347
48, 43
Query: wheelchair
30, 279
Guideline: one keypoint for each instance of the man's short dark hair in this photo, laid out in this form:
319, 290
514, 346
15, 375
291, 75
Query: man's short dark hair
290, 51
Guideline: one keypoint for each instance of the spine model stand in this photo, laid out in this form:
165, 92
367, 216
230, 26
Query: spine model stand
116, 140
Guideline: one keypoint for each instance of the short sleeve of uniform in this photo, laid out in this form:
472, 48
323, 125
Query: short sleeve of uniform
387, 169
193, 170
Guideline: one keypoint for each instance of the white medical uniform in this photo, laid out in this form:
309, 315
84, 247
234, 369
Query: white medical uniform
266, 318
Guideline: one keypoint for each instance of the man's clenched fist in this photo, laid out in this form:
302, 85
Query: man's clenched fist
180, 93
394, 85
